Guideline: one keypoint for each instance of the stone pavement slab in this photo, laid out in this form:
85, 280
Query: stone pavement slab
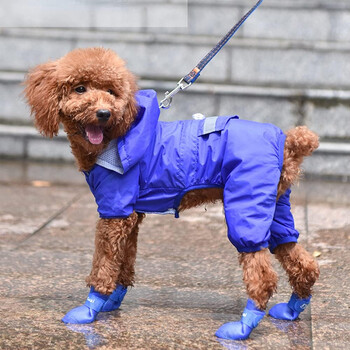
188, 280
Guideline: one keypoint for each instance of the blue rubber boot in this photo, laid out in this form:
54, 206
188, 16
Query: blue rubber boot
115, 299
241, 330
87, 313
291, 310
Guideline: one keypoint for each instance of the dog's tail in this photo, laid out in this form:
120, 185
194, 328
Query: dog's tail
300, 142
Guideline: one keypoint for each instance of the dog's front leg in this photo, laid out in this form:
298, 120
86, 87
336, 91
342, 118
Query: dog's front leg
127, 269
112, 245
127, 272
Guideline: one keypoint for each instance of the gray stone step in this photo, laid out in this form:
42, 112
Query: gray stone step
303, 4
13, 108
314, 20
24, 142
164, 56
287, 65
331, 160
325, 111
14, 111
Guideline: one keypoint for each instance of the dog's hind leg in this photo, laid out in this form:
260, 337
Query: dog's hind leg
259, 276
111, 247
302, 271
261, 282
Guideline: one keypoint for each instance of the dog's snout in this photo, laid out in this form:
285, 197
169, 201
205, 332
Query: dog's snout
103, 115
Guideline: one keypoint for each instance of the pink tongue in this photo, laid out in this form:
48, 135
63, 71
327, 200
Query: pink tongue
94, 134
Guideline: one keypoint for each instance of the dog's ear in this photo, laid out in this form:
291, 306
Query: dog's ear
41, 90
131, 106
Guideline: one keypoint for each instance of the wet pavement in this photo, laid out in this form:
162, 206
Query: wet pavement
188, 281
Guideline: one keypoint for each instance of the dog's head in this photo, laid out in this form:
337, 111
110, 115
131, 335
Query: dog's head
89, 91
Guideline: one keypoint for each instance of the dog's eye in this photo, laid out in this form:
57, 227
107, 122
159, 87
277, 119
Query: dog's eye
80, 89
110, 91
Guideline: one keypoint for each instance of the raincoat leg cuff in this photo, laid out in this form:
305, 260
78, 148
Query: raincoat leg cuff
252, 249
274, 243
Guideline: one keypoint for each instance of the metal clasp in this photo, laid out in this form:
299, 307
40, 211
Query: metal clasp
166, 102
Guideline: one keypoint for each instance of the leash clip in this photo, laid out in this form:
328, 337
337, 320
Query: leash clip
166, 102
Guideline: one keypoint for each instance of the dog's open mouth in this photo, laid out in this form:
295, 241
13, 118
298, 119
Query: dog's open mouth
94, 134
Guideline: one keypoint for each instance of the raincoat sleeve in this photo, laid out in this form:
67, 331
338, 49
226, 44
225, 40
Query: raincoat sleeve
282, 227
250, 206
251, 175
115, 194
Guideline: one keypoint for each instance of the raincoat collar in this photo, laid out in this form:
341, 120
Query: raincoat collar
133, 145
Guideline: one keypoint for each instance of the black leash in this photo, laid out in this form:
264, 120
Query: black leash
192, 76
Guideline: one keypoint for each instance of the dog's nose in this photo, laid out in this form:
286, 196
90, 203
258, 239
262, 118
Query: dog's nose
103, 115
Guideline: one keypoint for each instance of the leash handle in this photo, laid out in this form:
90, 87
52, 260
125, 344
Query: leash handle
193, 75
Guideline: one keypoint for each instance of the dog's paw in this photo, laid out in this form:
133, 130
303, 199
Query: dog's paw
88, 312
291, 310
80, 315
234, 331
283, 312
241, 330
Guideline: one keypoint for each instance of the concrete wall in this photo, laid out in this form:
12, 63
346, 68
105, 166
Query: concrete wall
288, 64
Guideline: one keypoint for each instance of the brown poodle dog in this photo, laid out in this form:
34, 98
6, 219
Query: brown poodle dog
91, 92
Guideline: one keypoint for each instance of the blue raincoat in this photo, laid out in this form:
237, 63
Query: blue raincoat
156, 163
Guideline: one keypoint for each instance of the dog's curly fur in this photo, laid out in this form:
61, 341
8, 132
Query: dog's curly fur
51, 91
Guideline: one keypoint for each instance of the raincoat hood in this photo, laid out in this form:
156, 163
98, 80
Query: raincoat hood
133, 145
